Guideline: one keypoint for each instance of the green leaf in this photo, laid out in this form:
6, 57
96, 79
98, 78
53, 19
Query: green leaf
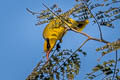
70, 76
118, 77
98, 67
110, 47
58, 75
109, 62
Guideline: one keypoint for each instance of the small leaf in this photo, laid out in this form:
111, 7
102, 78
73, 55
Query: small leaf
70, 76
118, 77
98, 67
110, 47
58, 75
84, 53
107, 70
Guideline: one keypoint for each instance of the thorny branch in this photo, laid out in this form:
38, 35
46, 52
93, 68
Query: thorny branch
33, 13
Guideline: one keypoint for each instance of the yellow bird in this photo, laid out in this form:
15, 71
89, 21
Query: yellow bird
56, 29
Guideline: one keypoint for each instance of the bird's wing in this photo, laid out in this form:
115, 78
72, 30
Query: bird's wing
54, 30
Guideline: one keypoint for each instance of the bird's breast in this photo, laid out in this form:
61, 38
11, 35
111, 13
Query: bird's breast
55, 33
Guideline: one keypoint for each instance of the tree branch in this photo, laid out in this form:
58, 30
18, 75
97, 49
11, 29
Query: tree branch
116, 57
33, 13
94, 18
89, 38
92, 38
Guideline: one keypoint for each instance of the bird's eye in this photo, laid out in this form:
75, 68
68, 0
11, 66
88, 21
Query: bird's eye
48, 44
80, 25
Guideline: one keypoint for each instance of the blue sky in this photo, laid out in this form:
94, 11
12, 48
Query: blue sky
21, 42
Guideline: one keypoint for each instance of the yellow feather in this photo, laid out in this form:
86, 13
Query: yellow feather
53, 31
56, 29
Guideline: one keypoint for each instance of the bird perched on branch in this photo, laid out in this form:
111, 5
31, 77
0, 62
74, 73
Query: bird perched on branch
57, 28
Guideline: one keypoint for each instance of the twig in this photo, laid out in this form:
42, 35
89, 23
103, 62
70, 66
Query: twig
99, 74
92, 38
116, 56
76, 51
35, 73
94, 18
104, 77
63, 20
33, 13
89, 38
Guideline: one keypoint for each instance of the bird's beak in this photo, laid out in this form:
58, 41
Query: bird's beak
47, 55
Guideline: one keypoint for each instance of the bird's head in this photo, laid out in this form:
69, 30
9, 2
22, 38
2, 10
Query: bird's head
49, 45
77, 25
86, 21
80, 25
